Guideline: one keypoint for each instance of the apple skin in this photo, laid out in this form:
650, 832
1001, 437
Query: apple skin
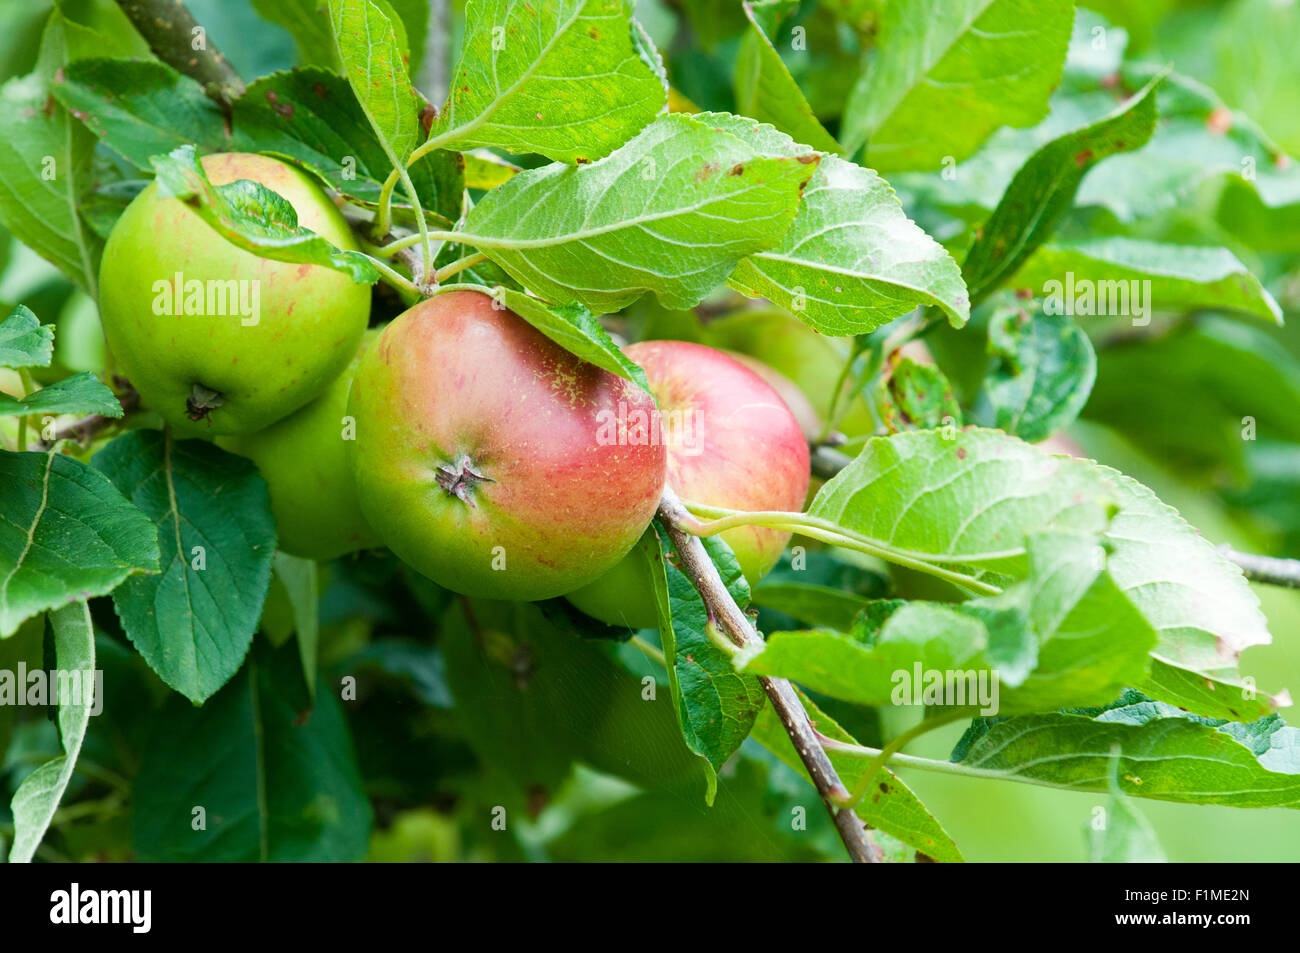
478, 438
305, 461
747, 452
310, 318
810, 422
811, 360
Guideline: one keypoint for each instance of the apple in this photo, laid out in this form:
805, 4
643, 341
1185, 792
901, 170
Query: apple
308, 471
490, 459
811, 360
215, 339
732, 442
810, 422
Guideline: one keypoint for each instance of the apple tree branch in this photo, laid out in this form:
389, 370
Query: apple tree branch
699, 568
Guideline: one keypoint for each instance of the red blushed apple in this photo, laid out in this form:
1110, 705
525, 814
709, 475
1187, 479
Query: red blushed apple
482, 455
732, 442
810, 421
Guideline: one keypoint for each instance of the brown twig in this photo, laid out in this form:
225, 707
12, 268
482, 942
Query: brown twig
1266, 569
171, 32
699, 568
85, 430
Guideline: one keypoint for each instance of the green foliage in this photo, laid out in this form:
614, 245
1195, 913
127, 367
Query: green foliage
273, 785
716, 705
252, 217
67, 534
193, 621
677, 178
560, 79
922, 101
1041, 373
1072, 225
36, 800
24, 341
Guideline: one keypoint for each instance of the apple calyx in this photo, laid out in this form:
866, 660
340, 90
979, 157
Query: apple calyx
202, 402
460, 478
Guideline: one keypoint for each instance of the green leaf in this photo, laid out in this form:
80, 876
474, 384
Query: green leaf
1240, 373
45, 160
891, 805
1066, 636
1077, 275
814, 604
37, 798
1163, 753
766, 91
1043, 190
275, 775
140, 108
533, 697
24, 341
252, 217
194, 623
947, 73
937, 637
562, 79
311, 117
852, 261
607, 232
298, 576
485, 171
575, 330
1125, 836
65, 534
972, 498
911, 396
372, 61
79, 394
1199, 139
716, 706
1041, 371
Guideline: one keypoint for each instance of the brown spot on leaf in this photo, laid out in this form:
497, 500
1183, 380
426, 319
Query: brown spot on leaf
737, 169
319, 90
1082, 157
1219, 121
705, 172
808, 158
961, 453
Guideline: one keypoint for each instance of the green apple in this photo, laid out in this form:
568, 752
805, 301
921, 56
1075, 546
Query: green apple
215, 339
491, 460
305, 461
733, 443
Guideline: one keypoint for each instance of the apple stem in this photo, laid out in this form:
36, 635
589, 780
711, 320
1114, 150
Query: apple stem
460, 478
457, 266
828, 531
732, 622
202, 401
